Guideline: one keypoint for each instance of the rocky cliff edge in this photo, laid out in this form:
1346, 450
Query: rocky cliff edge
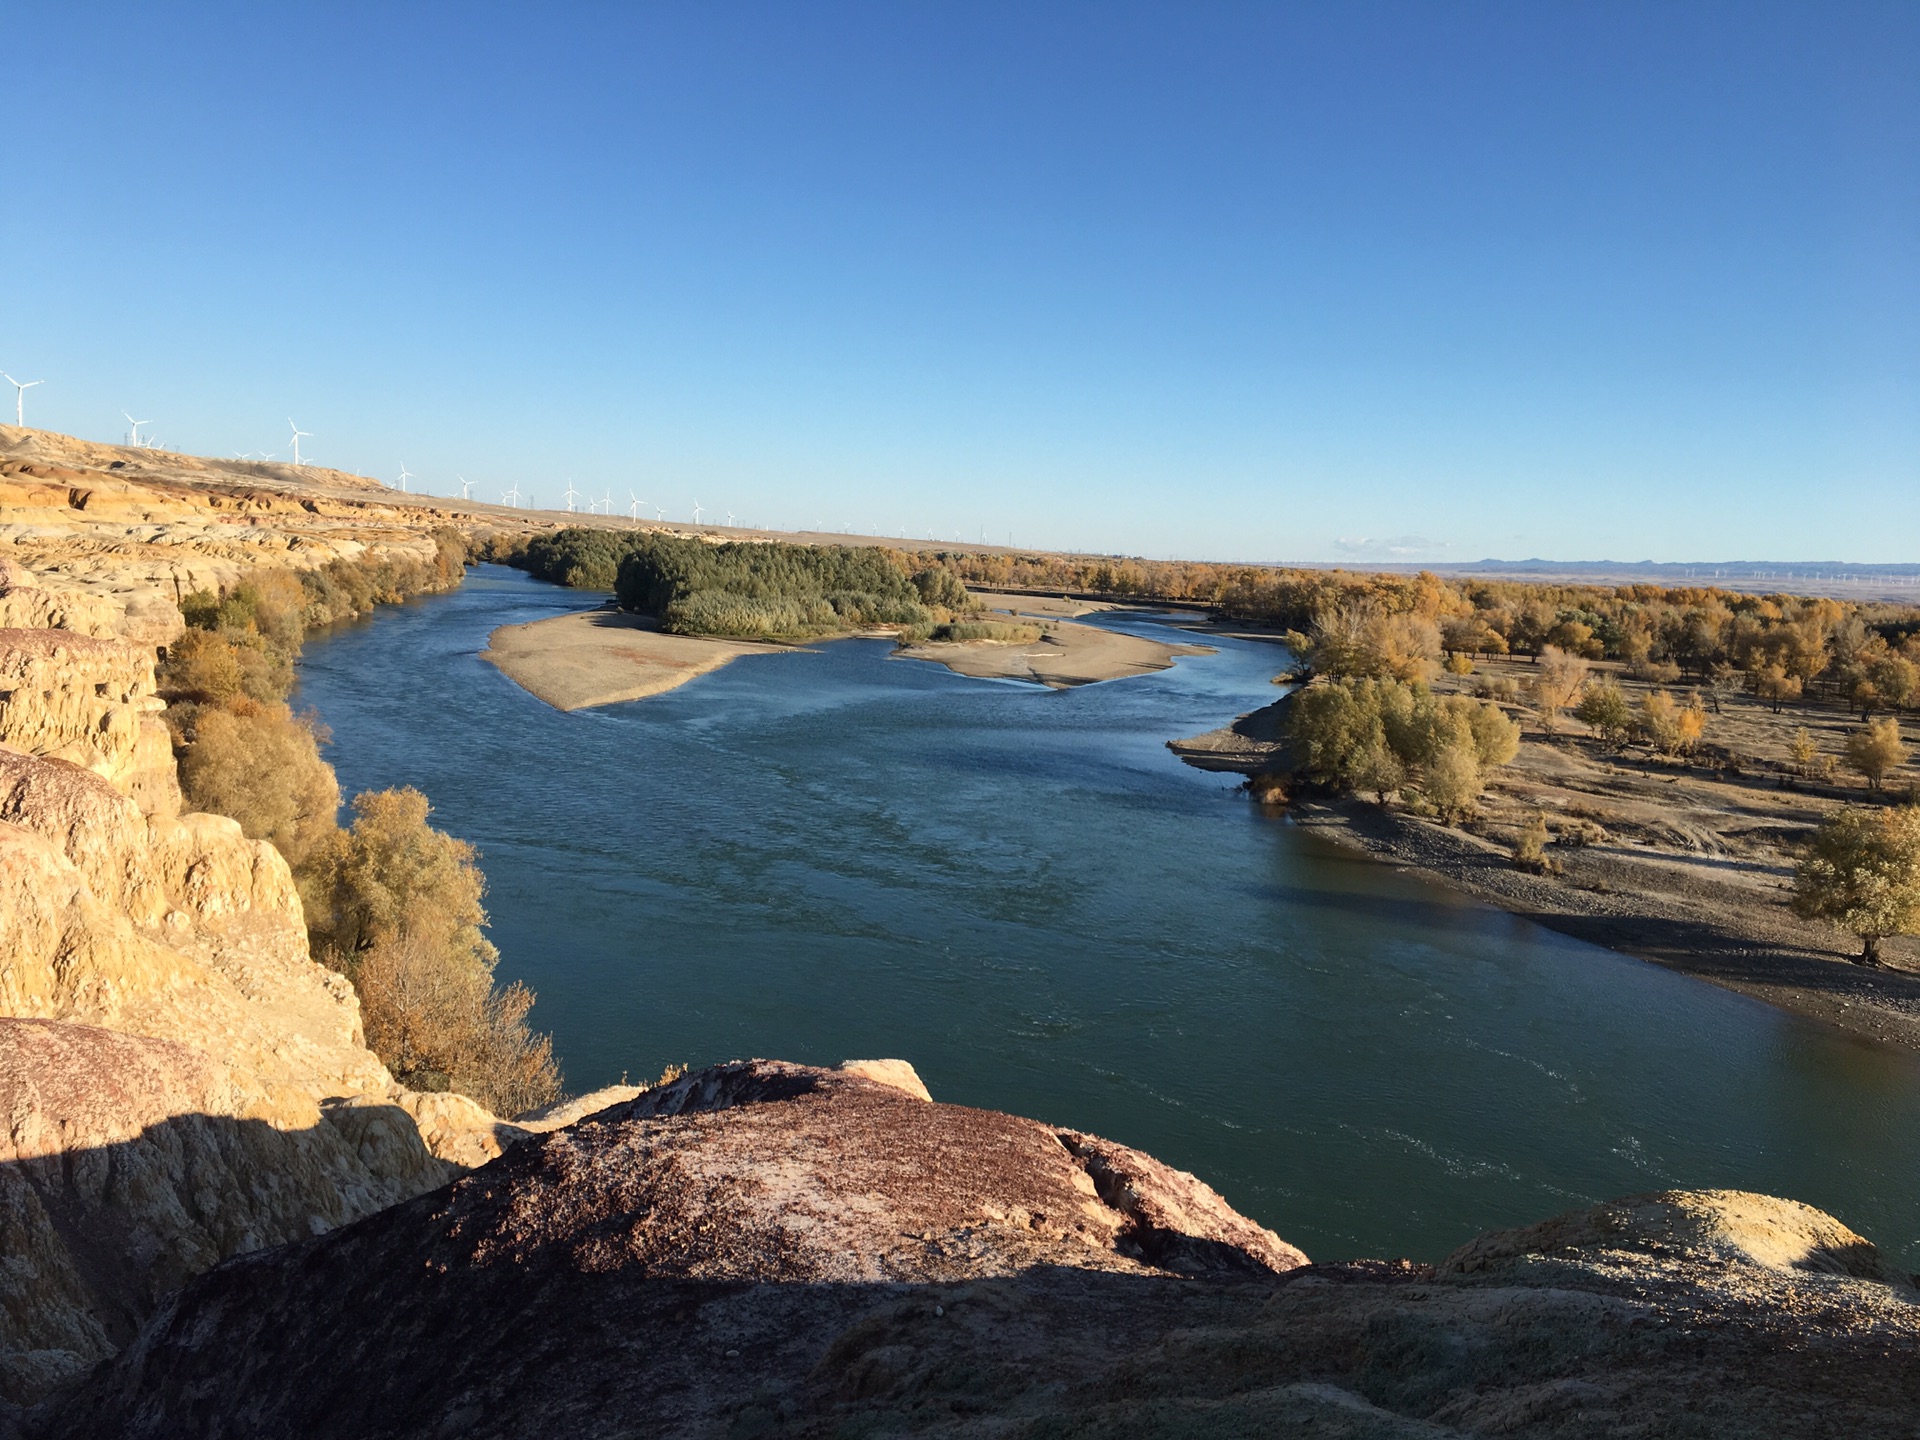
765, 1249
180, 1082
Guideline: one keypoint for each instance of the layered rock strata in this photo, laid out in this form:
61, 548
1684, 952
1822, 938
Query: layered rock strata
105, 540
180, 1081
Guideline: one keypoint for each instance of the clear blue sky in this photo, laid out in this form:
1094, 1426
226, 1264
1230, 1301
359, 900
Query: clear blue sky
1260, 281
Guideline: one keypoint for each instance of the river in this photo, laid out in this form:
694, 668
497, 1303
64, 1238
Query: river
832, 853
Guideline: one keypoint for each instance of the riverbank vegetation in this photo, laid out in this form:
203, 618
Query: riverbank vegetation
392, 903
1778, 648
1861, 872
1386, 736
748, 590
1693, 823
961, 632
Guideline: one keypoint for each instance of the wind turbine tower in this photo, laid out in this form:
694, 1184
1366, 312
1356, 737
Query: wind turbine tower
298, 436
20, 388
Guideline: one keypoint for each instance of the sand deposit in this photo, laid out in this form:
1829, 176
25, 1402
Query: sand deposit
602, 657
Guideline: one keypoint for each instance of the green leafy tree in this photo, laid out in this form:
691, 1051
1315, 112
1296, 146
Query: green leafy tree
1605, 710
1861, 872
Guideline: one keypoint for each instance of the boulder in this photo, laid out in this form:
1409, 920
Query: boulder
897, 1073
769, 1249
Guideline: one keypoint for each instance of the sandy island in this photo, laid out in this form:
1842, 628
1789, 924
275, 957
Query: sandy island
1065, 656
604, 656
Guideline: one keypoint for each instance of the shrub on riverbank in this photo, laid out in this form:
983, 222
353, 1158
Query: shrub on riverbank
391, 903
261, 765
1861, 872
1384, 736
397, 909
955, 632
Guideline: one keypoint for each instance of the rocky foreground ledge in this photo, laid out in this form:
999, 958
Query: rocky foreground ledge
769, 1249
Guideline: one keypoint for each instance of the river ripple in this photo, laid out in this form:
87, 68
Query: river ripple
829, 854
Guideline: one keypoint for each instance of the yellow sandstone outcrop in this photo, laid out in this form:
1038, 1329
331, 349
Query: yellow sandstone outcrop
180, 1081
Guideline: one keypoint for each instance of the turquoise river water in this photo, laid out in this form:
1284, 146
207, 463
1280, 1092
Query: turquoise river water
832, 853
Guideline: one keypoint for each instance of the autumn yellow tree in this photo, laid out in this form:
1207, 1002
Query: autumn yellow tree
1671, 728
403, 921
1801, 751
1560, 679
1875, 750
262, 766
1773, 684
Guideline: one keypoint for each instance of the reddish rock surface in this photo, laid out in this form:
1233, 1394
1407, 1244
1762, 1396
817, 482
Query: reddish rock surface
764, 1249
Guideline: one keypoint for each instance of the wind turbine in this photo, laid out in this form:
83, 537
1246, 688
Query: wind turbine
696, 512
133, 436
606, 503
298, 436
405, 475
572, 495
466, 487
633, 509
659, 512
729, 519
512, 497
20, 396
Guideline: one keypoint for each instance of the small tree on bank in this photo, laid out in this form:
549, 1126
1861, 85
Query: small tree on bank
1606, 710
1558, 684
1801, 750
1875, 751
1861, 871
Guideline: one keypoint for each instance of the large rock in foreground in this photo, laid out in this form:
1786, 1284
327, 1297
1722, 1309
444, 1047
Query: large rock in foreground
765, 1249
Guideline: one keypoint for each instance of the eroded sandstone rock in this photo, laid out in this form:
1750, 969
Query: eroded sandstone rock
87, 700
129, 1165
897, 1073
180, 1081
768, 1249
